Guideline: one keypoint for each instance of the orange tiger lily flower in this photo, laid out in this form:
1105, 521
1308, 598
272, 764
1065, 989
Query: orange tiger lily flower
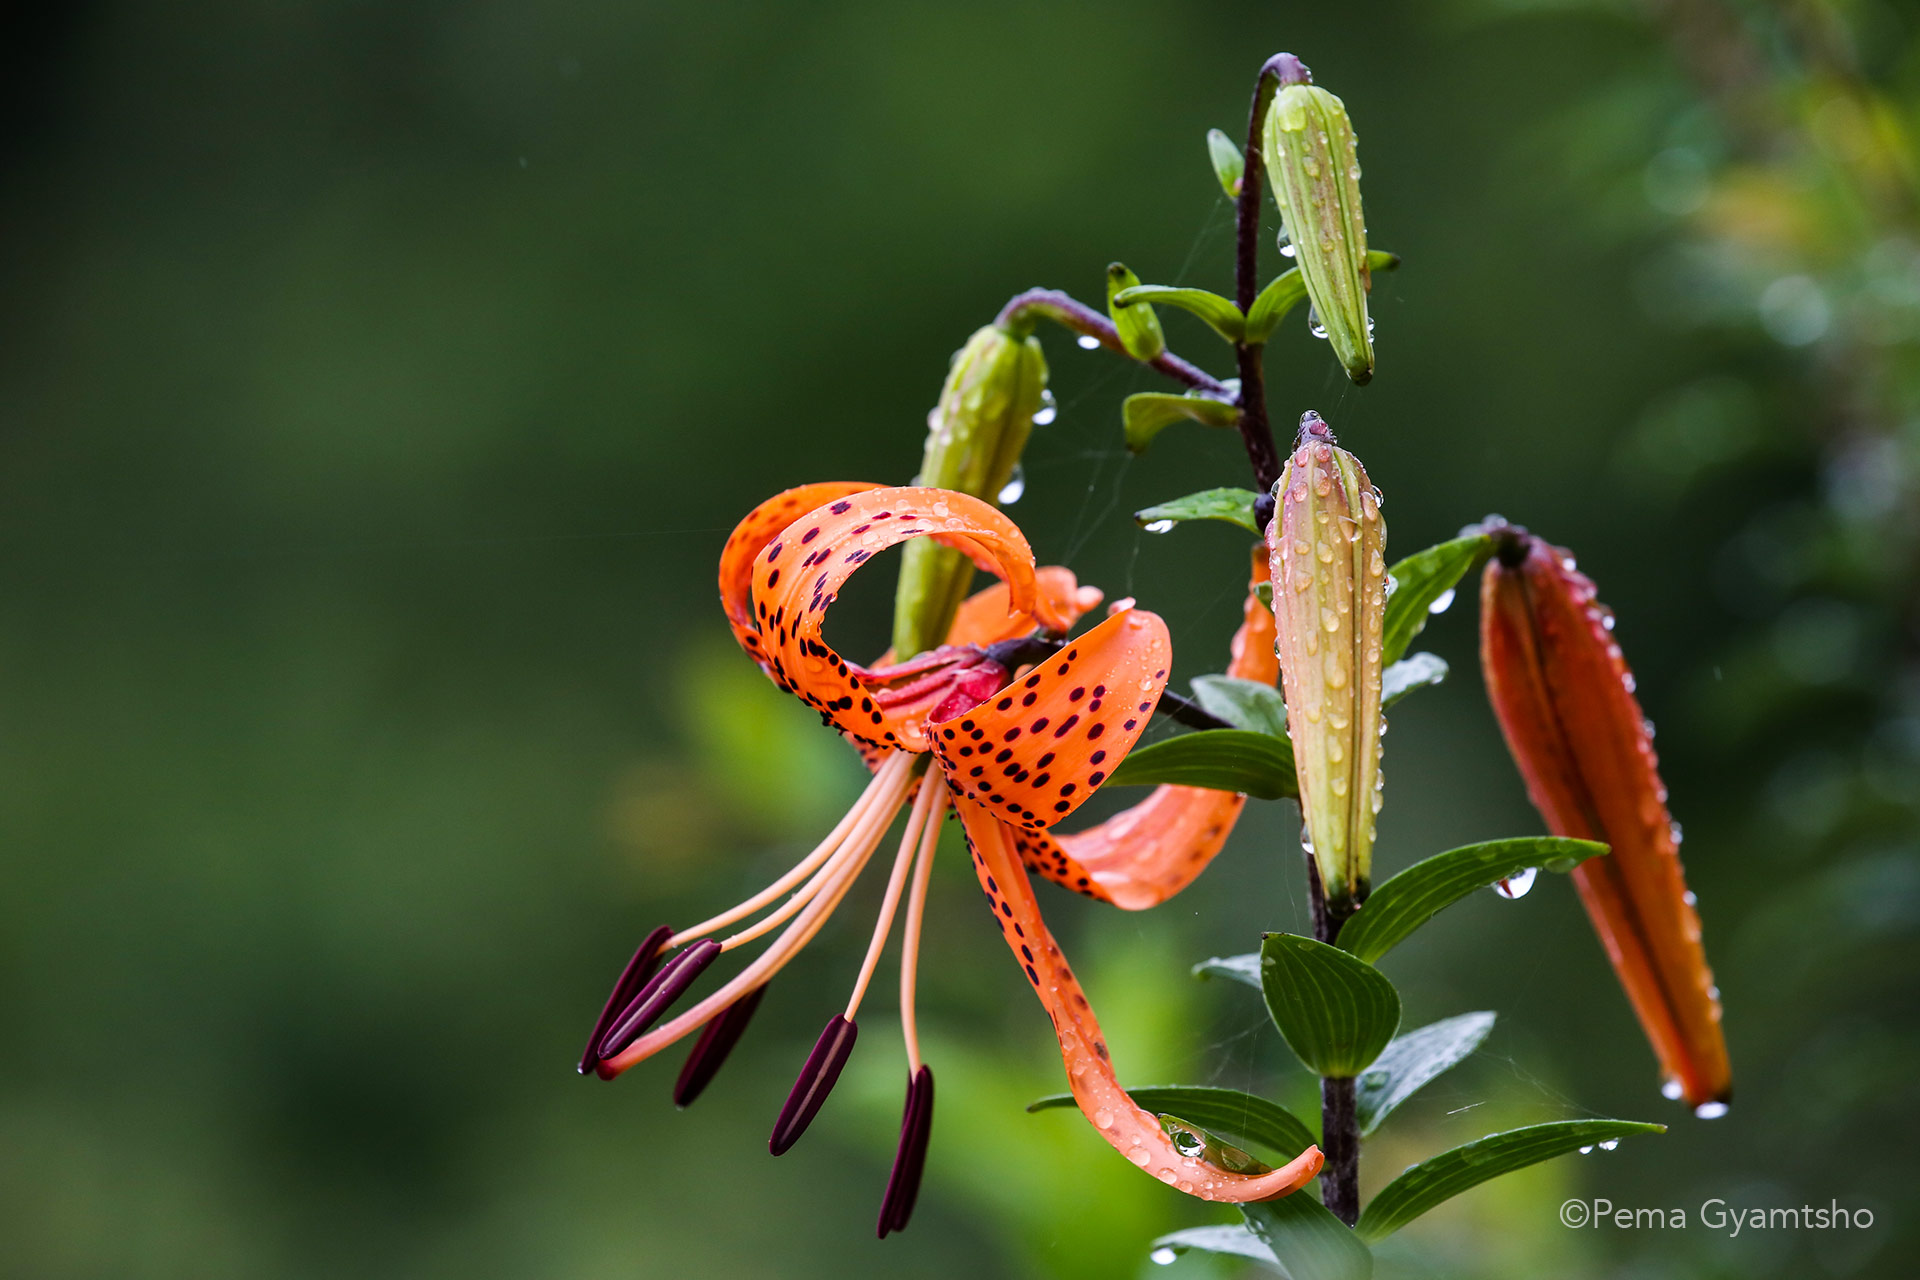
1564, 697
1014, 751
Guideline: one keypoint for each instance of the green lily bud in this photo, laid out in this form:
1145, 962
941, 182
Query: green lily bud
995, 387
1228, 164
1139, 328
1313, 164
1327, 560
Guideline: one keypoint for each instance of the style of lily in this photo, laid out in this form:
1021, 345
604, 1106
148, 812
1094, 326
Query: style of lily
1564, 697
967, 725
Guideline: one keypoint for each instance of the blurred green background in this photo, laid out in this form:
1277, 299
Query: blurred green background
379, 382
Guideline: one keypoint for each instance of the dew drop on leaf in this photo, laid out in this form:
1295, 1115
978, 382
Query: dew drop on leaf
1442, 602
1517, 886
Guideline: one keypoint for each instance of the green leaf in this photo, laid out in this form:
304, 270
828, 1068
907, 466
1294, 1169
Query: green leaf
1221, 314
1335, 1012
1408, 674
1235, 506
1433, 1181
1230, 1240
1420, 580
1147, 414
1307, 1240
1245, 704
1381, 260
1236, 1114
1258, 764
1138, 327
1229, 165
1407, 901
1243, 968
1271, 306
1413, 1059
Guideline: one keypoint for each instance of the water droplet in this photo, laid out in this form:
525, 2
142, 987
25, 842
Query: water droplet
1314, 326
1691, 899
1670, 1091
1103, 1118
1610, 1144
1139, 1156
1517, 886
1710, 1110
1606, 617
1286, 249
1016, 484
1049, 410
1586, 1151
1168, 1176
1088, 342
1627, 680
1338, 784
1678, 833
1163, 1256
1158, 526
1442, 602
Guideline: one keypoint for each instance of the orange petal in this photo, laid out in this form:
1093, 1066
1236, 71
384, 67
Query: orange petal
1145, 854
798, 576
1564, 698
1041, 746
1133, 1132
985, 618
751, 536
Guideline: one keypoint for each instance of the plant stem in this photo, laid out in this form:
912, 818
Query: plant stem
1066, 310
1340, 1143
1256, 433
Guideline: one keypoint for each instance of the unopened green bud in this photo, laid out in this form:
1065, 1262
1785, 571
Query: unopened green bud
1314, 167
995, 389
1228, 164
1139, 328
1327, 561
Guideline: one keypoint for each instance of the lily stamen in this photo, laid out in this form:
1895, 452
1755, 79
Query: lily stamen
920, 821
910, 935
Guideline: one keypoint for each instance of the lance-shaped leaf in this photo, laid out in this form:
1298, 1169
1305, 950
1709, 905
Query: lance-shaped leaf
1335, 1012
1256, 764
1307, 1240
1435, 1181
1286, 290
1241, 968
1404, 903
1418, 583
1229, 165
1138, 327
1147, 414
1408, 674
1235, 506
1413, 1059
1245, 704
1228, 1111
1229, 1240
1218, 312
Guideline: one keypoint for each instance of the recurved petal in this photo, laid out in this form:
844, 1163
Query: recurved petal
751, 536
986, 618
1036, 750
1083, 1050
799, 574
1564, 697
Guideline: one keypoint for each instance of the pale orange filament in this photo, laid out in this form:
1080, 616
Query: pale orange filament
910, 931
909, 839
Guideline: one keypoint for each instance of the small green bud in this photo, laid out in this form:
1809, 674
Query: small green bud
995, 388
1228, 164
1139, 328
1313, 163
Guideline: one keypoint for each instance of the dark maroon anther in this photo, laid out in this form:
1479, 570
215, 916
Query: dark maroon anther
638, 970
916, 1125
661, 990
716, 1042
816, 1081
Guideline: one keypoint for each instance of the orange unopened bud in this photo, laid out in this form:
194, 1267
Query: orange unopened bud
1564, 698
1327, 555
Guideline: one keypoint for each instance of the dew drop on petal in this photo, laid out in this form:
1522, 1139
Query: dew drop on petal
1518, 885
1671, 1091
1103, 1118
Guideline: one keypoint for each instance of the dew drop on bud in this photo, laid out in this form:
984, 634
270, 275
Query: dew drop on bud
1016, 484
1670, 1091
1049, 410
1163, 1256
1517, 886
1314, 326
1442, 602
1088, 342
1710, 1110
1158, 526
